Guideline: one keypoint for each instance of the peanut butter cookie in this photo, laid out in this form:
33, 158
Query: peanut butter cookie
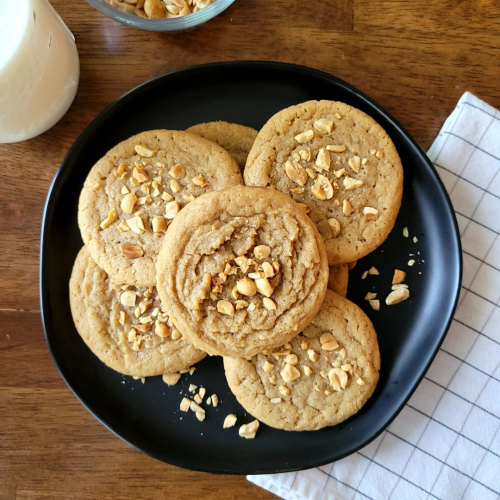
242, 270
321, 377
125, 326
236, 139
338, 279
340, 164
132, 194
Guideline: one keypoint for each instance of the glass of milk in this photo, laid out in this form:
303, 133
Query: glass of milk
39, 69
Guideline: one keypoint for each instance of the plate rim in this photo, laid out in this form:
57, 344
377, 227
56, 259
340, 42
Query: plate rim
122, 100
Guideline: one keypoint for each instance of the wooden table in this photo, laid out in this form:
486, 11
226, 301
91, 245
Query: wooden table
416, 59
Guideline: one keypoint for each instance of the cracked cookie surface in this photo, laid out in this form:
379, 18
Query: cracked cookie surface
125, 326
341, 164
132, 194
319, 378
242, 270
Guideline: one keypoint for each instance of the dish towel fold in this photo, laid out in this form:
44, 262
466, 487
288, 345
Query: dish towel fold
445, 443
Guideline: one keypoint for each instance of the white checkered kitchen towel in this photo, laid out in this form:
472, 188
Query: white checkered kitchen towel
445, 443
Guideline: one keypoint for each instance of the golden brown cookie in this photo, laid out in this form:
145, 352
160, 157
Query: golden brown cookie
131, 195
236, 139
242, 270
321, 377
338, 162
338, 279
125, 326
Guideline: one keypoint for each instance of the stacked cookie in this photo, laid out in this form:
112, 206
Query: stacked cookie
242, 271
127, 203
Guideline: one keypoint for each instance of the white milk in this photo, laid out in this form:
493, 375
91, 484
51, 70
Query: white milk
39, 69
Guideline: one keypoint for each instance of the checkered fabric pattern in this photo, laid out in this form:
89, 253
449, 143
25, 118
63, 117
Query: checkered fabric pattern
445, 443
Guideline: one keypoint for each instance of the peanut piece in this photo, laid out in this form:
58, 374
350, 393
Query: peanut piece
171, 378
261, 251
322, 188
355, 163
350, 183
248, 431
323, 159
246, 287
128, 202
370, 213
264, 287
334, 226
159, 224
269, 304
131, 251
225, 307
296, 173
336, 148
304, 136
136, 224
112, 217
128, 298
177, 171
399, 277
172, 209
229, 421
397, 296
323, 125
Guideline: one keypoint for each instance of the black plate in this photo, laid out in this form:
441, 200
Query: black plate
147, 415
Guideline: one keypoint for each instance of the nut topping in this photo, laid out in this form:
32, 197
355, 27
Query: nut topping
322, 188
161, 329
175, 186
304, 136
355, 163
328, 343
177, 171
159, 224
350, 183
323, 125
131, 251
347, 207
112, 217
246, 287
323, 159
296, 173
289, 373
264, 287
268, 367
128, 298
140, 175
136, 224
143, 151
334, 226
172, 209
269, 304
200, 181
128, 203
338, 378
336, 148
268, 270
261, 251
370, 213
225, 307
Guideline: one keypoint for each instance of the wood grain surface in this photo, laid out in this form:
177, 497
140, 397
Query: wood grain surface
415, 58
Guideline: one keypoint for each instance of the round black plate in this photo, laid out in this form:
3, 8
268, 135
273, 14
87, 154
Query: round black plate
147, 415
